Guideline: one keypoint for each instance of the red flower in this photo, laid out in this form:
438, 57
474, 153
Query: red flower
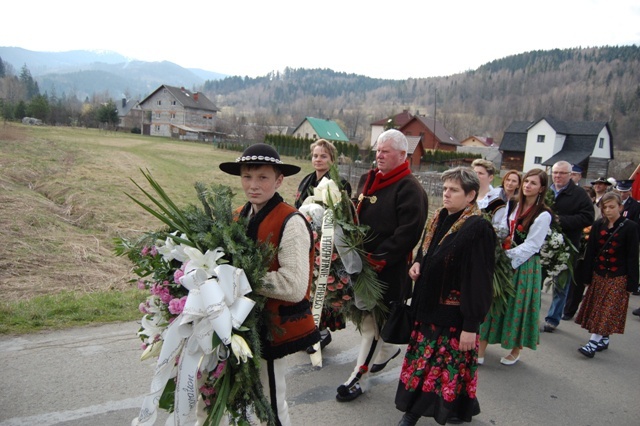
363, 369
520, 228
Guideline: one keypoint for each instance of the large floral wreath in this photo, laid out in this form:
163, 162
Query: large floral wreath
352, 287
202, 316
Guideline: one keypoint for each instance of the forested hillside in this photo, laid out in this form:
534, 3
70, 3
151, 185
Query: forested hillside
601, 83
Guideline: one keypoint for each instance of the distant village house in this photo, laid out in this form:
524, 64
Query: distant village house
317, 128
178, 113
540, 144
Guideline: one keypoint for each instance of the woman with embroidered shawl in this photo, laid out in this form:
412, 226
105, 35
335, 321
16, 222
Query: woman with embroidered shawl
453, 292
528, 224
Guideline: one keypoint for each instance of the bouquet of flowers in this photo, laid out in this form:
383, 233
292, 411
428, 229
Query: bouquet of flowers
352, 286
557, 254
202, 315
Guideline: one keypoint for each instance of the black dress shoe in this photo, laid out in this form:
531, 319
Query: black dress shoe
636, 312
324, 341
379, 367
346, 394
566, 317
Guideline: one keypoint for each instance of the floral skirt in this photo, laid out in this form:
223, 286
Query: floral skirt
604, 307
437, 379
517, 326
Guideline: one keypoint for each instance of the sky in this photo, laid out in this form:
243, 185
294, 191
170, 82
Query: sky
375, 38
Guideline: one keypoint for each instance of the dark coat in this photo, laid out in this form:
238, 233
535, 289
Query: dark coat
396, 221
574, 208
455, 287
632, 211
613, 257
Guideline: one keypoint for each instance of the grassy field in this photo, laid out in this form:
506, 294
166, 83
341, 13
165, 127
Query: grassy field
62, 202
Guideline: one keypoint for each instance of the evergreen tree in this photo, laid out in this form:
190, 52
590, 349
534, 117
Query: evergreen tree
30, 85
39, 108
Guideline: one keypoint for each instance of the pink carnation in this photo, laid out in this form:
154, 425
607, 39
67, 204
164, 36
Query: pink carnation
177, 275
141, 285
176, 306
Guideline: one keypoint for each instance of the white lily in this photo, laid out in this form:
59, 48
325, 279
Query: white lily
206, 262
151, 326
153, 350
171, 250
327, 190
240, 348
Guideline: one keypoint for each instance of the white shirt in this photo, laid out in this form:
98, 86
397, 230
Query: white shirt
534, 241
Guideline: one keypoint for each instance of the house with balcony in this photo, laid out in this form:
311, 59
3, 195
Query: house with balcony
178, 113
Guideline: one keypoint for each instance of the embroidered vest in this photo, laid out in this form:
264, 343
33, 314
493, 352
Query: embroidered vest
287, 327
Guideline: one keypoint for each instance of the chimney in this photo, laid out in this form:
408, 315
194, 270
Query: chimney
124, 102
195, 96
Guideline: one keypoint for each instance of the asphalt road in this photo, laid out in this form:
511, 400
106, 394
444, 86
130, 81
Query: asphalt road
93, 376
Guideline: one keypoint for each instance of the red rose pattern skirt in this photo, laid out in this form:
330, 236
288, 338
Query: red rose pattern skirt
604, 307
438, 379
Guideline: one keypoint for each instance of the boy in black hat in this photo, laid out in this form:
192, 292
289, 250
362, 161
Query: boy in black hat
288, 323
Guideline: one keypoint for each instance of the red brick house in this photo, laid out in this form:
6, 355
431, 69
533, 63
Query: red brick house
432, 134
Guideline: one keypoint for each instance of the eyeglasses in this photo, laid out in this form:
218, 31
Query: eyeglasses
560, 173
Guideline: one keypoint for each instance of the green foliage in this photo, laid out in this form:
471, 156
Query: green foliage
294, 146
107, 113
39, 108
29, 84
438, 156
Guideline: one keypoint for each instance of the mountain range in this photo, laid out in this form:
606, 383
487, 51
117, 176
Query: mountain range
83, 72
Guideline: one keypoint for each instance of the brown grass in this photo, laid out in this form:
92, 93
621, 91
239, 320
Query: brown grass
62, 202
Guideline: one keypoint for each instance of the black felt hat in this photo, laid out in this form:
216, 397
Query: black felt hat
601, 180
259, 154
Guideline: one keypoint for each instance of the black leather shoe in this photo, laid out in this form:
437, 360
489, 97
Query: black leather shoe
326, 339
566, 317
636, 312
346, 394
379, 367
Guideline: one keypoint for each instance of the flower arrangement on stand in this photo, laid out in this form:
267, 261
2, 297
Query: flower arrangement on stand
352, 285
202, 315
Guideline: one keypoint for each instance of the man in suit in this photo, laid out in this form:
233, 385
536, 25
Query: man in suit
631, 206
575, 210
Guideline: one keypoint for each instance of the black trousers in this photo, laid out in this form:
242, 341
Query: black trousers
574, 297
